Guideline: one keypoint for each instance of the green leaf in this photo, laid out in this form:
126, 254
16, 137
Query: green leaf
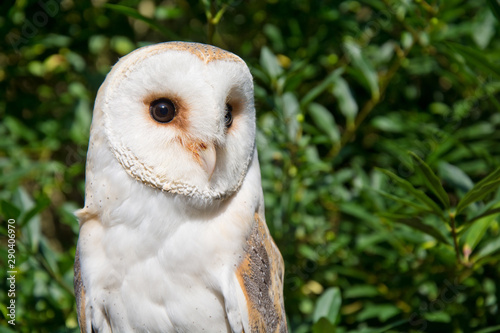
291, 109
483, 29
492, 329
19, 129
432, 181
323, 325
122, 45
486, 213
418, 194
317, 90
454, 176
495, 8
49, 256
6, 329
8, 210
480, 190
489, 248
328, 305
437, 316
406, 40
361, 291
401, 200
32, 227
369, 75
135, 14
270, 63
347, 103
417, 224
476, 58
475, 232
219, 14
41, 204
324, 121
357, 211
308, 252
381, 311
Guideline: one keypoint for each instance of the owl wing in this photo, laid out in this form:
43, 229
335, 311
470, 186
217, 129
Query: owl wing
260, 277
83, 321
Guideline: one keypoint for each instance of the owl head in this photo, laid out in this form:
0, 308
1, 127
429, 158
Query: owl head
180, 118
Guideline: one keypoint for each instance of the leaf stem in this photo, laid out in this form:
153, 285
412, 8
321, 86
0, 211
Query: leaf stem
211, 22
454, 236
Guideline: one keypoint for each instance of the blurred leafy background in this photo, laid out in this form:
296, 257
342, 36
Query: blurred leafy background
378, 140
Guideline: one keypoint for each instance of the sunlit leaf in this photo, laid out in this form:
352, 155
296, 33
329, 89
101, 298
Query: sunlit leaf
381, 311
328, 305
347, 103
369, 75
489, 248
484, 29
270, 63
475, 228
308, 252
454, 176
438, 317
40, 205
361, 291
324, 121
291, 109
482, 215
32, 227
83, 116
476, 231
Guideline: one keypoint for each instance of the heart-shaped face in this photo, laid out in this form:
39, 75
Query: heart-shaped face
180, 117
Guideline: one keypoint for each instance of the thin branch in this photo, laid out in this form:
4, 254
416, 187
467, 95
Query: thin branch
372, 102
49, 270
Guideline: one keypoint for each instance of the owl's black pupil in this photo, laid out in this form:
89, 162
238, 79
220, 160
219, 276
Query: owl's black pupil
229, 116
162, 110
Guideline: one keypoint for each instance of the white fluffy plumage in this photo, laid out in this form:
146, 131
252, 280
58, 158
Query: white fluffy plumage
172, 235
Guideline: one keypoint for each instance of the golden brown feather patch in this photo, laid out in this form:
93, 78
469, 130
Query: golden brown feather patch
260, 275
79, 294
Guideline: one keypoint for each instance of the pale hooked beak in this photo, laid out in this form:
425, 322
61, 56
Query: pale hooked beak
208, 158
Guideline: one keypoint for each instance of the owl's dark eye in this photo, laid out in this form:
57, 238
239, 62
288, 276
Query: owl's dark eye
162, 110
228, 119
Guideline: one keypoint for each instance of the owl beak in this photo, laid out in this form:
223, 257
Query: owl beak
208, 159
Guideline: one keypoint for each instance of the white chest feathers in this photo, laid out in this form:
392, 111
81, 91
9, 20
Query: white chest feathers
148, 283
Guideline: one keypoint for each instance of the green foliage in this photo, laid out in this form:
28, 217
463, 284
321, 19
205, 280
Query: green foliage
378, 130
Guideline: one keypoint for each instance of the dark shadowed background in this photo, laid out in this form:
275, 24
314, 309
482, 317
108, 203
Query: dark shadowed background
378, 138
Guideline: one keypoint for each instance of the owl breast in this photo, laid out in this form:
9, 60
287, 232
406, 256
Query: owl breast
171, 286
153, 261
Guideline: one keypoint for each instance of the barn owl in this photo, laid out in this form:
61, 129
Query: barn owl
173, 236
